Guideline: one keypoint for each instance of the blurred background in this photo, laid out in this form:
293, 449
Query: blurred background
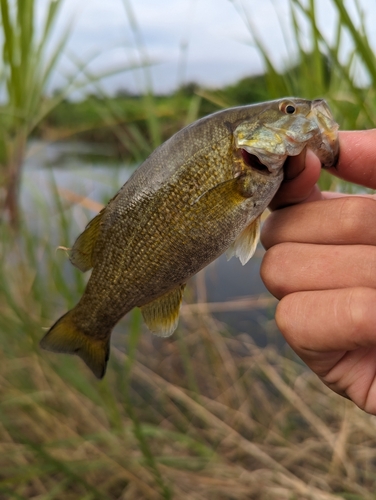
223, 409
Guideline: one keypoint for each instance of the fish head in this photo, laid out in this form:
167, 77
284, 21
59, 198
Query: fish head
284, 128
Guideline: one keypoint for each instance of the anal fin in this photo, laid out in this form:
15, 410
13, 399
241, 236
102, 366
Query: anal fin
162, 314
245, 244
81, 254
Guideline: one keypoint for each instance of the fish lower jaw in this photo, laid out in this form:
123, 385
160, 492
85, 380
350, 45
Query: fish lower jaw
266, 164
273, 164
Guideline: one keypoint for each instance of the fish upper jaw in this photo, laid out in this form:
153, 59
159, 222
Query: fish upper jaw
327, 149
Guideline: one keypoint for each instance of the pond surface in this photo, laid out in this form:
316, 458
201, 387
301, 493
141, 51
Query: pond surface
81, 174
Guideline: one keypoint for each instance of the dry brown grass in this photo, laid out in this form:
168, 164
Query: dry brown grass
222, 419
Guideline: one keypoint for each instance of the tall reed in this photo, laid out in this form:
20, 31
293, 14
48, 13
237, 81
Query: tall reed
26, 67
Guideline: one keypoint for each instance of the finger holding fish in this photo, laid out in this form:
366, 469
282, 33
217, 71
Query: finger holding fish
294, 267
300, 182
335, 220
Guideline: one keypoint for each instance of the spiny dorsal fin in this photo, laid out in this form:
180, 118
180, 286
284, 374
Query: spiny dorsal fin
81, 254
245, 244
162, 314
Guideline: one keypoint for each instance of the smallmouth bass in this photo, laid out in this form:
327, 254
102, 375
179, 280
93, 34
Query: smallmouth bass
199, 194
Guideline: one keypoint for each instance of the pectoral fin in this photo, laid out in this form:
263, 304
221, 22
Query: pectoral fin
81, 254
227, 192
245, 244
162, 314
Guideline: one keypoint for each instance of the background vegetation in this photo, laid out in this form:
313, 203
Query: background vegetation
205, 414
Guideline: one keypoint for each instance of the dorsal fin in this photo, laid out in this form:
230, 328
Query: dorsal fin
81, 254
162, 314
245, 244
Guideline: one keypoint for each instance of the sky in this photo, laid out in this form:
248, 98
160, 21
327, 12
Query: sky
205, 41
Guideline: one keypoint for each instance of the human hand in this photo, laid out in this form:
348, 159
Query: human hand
321, 263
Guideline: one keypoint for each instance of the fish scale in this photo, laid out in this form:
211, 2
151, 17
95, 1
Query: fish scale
199, 194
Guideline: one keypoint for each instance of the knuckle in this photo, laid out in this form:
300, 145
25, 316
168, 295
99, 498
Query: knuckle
355, 214
267, 236
368, 256
289, 320
282, 317
273, 269
360, 306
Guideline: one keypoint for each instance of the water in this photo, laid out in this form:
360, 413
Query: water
80, 170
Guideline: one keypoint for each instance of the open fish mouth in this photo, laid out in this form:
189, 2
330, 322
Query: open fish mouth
252, 161
266, 146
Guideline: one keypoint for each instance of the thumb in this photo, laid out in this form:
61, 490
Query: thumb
299, 185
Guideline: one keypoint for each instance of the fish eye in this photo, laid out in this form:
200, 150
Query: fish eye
287, 108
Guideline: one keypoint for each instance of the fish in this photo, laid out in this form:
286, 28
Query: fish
198, 195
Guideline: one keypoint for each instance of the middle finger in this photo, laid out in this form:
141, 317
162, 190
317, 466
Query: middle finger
344, 220
294, 267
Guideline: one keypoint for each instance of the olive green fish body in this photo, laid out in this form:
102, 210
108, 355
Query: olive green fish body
199, 194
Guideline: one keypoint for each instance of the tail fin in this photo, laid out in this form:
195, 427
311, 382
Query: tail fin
65, 336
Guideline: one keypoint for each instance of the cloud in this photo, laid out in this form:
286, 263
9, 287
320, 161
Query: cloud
214, 34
